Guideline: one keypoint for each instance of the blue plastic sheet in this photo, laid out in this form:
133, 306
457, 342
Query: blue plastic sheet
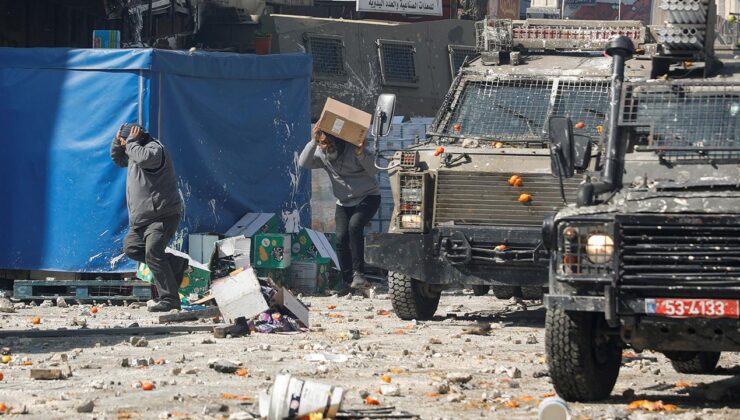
234, 125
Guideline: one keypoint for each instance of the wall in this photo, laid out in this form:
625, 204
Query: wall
363, 82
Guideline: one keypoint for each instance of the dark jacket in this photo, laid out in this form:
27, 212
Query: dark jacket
151, 184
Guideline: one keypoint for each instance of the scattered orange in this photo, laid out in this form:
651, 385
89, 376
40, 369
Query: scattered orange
371, 401
433, 395
236, 397
518, 182
500, 248
457, 127
511, 404
386, 378
383, 312
580, 124
439, 151
683, 385
242, 372
335, 316
548, 395
2, 376
6, 359
524, 198
513, 179
651, 406
331, 307
3, 408
399, 332
36, 320
526, 398
396, 370
147, 386
94, 310
160, 361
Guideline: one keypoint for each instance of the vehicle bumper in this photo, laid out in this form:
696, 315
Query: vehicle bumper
462, 255
647, 331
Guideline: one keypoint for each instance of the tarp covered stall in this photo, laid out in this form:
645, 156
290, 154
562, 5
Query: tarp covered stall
234, 125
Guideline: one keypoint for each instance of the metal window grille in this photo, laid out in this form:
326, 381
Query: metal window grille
518, 109
411, 202
458, 54
397, 62
685, 120
328, 56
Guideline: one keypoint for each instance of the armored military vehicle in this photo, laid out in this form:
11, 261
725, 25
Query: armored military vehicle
469, 199
649, 255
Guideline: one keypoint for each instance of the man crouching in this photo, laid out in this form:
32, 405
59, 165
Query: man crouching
154, 208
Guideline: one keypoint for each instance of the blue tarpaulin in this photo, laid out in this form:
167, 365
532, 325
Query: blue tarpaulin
233, 123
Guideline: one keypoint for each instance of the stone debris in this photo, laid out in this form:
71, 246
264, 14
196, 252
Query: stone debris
137, 341
223, 366
62, 303
86, 407
389, 390
49, 374
459, 378
7, 306
532, 340
46, 304
214, 409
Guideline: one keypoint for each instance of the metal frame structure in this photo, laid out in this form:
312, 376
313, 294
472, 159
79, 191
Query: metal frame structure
322, 60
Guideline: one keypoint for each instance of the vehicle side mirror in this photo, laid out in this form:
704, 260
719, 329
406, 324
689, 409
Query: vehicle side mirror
581, 151
384, 110
562, 148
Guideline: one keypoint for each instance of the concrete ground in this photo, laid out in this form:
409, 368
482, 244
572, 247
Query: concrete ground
441, 368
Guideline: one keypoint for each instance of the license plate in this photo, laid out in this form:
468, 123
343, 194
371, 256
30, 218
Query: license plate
693, 308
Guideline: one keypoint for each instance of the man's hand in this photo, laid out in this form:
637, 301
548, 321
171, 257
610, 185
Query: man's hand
361, 148
135, 133
315, 133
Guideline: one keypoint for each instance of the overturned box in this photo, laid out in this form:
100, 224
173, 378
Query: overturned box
284, 298
345, 122
310, 276
253, 223
239, 295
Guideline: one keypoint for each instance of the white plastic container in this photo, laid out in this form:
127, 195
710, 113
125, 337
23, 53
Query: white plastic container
292, 397
554, 408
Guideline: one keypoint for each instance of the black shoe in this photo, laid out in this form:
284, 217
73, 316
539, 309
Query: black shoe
164, 306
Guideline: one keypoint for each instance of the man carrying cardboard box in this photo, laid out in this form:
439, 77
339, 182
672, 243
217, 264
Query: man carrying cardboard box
338, 146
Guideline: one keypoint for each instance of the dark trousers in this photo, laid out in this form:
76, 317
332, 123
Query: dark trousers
147, 244
350, 225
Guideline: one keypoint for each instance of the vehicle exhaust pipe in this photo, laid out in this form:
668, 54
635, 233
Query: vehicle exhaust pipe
620, 49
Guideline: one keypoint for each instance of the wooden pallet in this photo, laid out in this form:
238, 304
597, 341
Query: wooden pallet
83, 290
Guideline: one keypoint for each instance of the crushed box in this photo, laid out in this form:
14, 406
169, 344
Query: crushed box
253, 223
310, 276
345, 122
284, 298
201, 245
272, 250
239, 295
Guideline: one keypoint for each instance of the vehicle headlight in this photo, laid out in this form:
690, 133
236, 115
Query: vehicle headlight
411, 220
599, 248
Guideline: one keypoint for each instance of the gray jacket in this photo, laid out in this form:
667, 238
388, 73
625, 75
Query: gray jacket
352, 177
151, 184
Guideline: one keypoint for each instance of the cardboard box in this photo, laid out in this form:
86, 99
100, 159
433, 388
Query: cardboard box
195, 280
272, 250
253, 223
201, 245
310, 276
345, 122
239, 295
286, 299
302, 247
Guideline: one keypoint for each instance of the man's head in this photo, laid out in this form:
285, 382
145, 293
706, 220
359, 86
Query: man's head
126, 128
328, 144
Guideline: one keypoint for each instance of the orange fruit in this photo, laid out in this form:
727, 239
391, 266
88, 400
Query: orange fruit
518, 182
36, 320
457, 127
242, 372
147, 386
2, 376
371, 401
439, 151
513, 179
524, 198
3, 408
94, 310
386, 378
580, 124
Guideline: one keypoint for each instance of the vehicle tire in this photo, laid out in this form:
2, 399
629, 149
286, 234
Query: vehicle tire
408, 300
584, 363
532, 293
481, 290
696, 362
504, 292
